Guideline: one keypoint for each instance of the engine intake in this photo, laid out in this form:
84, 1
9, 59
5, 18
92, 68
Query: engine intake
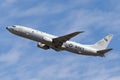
43, 46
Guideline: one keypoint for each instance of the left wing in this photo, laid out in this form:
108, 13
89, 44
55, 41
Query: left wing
57, 42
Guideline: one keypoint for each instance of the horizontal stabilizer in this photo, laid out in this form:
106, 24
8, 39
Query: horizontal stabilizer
102, 52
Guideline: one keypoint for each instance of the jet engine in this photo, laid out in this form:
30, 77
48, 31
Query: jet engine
43, 46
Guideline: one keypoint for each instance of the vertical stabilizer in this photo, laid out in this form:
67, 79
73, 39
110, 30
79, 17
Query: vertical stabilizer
103, 43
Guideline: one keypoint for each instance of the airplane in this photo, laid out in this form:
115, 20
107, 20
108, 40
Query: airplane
62, 43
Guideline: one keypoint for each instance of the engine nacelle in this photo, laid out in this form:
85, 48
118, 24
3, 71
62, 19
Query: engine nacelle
43, 46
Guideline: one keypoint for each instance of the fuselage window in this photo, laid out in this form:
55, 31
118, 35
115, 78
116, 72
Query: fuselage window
32, 31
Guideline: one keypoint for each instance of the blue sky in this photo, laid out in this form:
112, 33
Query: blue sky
20, 59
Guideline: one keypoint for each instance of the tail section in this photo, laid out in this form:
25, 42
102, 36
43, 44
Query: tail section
103, 43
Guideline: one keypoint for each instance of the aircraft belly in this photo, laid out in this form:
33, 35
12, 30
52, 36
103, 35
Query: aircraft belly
71, 50
80, 51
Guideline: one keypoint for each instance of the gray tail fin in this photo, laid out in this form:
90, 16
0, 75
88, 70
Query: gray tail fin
103, 43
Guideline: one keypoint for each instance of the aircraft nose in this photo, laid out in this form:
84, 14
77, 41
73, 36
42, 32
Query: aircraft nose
7, 28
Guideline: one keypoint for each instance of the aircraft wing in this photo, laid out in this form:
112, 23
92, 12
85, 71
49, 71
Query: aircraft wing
60, 40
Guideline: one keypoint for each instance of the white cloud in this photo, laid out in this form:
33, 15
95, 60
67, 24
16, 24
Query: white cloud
68, 68
114, 78
7, 3
11, 57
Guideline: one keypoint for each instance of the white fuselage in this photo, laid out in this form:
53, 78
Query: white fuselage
46, 39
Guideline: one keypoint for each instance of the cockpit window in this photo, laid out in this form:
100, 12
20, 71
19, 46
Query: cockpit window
13, 26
